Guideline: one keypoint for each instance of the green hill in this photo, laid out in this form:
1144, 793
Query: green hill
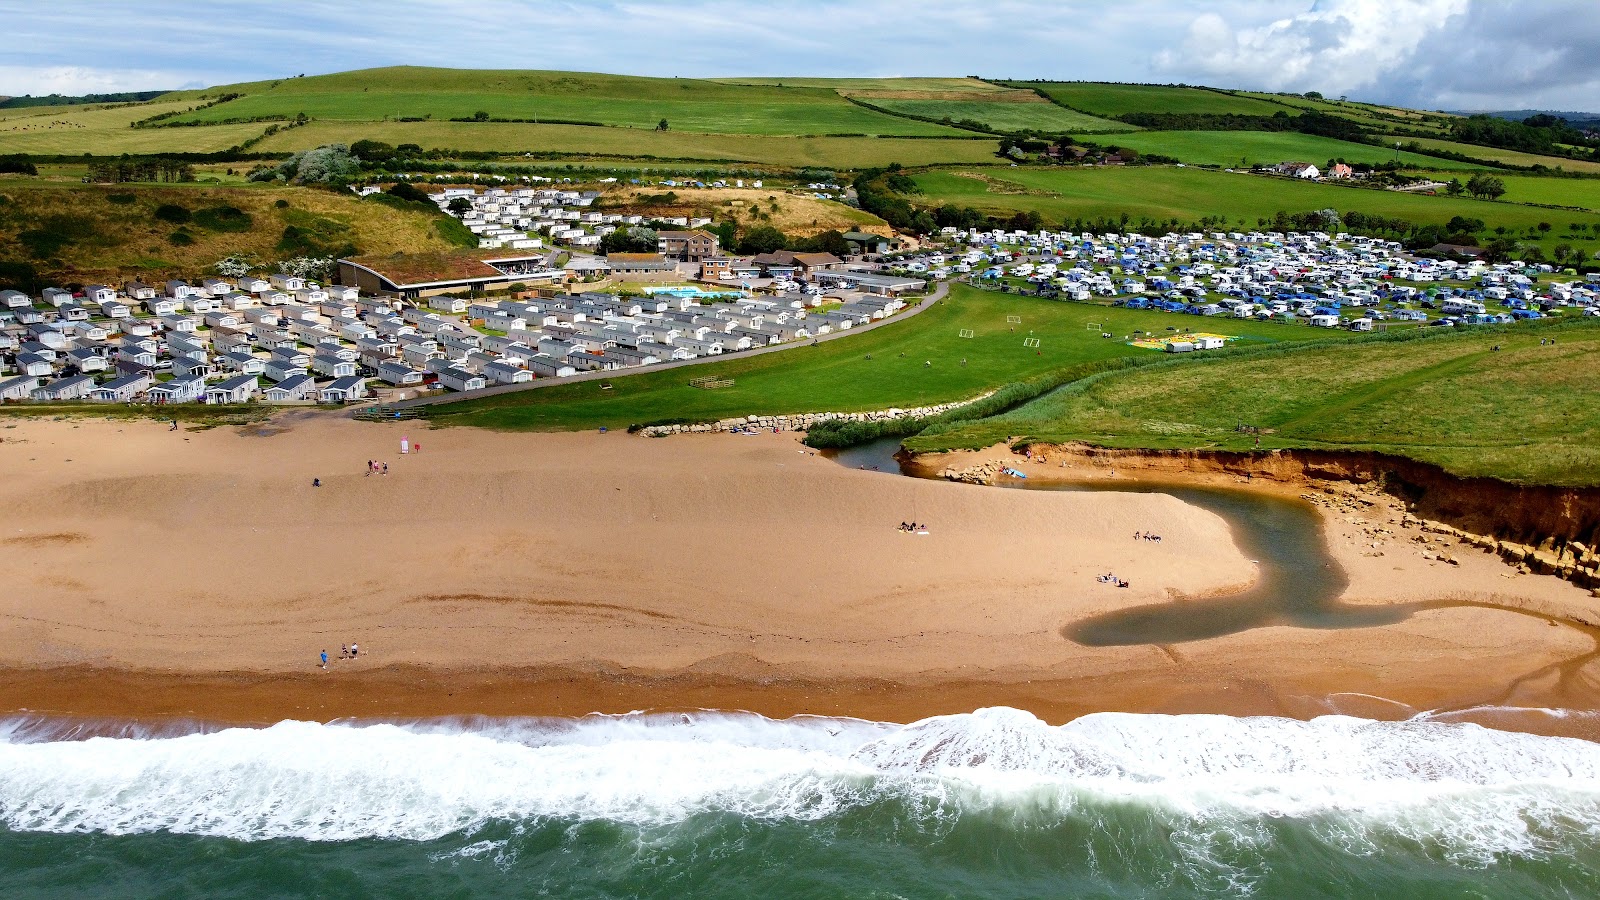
688, 104
1112, 100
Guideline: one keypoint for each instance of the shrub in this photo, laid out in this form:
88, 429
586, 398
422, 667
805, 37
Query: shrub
223, 218
281, 204
121, 199
172, 212
180, 239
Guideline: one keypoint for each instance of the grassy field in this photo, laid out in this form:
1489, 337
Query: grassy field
1004, 116
635, 142
852, 86
92, 232
838, 376
1379, 118
1509, 157
1526, 413
1111, 100
102, 130
1188, 194
375, 95
1584, 192
1249, 148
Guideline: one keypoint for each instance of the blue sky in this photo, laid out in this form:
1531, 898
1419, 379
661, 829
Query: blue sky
1443, 54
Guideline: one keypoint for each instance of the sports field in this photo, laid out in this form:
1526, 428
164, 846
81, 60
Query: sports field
1111, 100
1523, 413
376, 95
637, 142
1252, 148
839, 376
1188, 194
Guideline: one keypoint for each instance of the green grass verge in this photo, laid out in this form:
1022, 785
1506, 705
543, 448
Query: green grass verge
1525, 413
837, 376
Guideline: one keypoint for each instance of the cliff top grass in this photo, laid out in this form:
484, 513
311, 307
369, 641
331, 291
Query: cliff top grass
1525, 413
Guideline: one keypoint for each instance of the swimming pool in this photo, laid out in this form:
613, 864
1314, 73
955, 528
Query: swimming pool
695, 293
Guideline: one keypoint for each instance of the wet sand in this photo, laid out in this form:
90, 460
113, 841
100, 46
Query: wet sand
196, 575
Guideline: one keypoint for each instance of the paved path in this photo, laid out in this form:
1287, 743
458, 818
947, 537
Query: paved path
939, 292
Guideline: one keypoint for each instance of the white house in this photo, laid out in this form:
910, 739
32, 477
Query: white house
18, 388
238, 389
178, 390
122, 389
344, 390
461, 380
398, 374
295, 387
75, 388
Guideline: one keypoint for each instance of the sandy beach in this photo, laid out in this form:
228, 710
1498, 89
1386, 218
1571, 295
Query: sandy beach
199, 574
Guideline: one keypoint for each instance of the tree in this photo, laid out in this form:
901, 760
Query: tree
662, 125
635, 239
412, 194
480, 116
1561, 251
1312, 95
1454, 187
460, 205
763, 239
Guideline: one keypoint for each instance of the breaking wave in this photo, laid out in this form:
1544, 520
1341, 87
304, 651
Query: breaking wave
1473, 793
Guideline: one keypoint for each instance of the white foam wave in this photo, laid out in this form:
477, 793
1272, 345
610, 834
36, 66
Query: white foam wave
1475, 790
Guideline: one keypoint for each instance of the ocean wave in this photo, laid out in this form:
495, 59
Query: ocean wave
1471, 791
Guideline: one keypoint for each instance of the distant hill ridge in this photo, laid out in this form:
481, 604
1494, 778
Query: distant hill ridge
27, 100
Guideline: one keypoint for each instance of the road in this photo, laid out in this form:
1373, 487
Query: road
939, 292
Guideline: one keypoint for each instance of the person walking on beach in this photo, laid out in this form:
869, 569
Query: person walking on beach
385, 468
324, 659
344, 651
354, 651
370, 467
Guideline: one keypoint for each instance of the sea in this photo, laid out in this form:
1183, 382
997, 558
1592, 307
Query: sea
992, 803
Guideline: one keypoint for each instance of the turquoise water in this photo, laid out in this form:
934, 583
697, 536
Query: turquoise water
989, 804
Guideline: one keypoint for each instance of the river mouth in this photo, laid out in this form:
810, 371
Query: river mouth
1300, 582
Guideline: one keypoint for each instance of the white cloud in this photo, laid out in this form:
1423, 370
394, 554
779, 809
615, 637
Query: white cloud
1432, 53
19, 80
1337, 46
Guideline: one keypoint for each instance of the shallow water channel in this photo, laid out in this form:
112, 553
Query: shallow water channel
1300, 582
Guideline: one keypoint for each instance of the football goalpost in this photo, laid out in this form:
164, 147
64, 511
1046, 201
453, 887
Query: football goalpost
1030, 342
1013, 320
1093, 326
966, 332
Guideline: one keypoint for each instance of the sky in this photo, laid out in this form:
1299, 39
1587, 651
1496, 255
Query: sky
1432, 54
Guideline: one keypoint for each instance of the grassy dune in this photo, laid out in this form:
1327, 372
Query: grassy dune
1524, 413
1249, 148
577, 139
838, 376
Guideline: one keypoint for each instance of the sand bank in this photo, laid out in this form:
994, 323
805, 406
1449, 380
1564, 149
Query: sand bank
198, 574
